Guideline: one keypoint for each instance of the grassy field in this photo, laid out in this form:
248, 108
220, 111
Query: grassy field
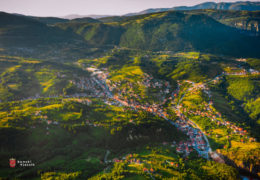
77, 143
23, 78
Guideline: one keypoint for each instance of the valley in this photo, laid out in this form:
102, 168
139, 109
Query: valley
160, 95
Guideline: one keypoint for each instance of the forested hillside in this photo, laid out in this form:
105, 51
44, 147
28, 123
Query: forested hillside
169, 31
165, 95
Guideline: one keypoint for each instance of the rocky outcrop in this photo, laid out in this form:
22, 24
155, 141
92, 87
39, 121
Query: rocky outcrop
248, 25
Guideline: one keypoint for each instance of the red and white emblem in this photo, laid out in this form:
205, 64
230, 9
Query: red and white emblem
12, 162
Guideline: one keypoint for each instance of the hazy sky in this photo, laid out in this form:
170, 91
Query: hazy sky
86, 7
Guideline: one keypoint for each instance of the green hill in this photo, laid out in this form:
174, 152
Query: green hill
85, 20
95, 33
170, 31
49, 20
20, 31
248, 21
78, 136
29, 37
243, 20
23, 78
167, 95
74, 145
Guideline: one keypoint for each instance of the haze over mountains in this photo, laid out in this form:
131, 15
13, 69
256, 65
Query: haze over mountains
240, 5
75, 16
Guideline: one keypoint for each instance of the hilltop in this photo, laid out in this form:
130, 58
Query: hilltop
240, 5
26, 32
237, 6
169, 31
206, 31
32, 37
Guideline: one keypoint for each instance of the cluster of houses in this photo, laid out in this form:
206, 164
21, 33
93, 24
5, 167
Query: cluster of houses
127, 91
151, 82
129, 159
44, 118
89, 123
60, 75
207, 111
89, 85
101, 74
253, 71
217, 79
243, 72
196, 137
85, 101
184, 147
172, 164
241, 59
196, 142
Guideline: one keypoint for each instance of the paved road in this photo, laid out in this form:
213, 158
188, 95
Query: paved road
208, 148
105, 158
104, 86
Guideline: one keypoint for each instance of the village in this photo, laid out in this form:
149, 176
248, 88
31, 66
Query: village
145, 164
206, 110
100, 86
197, 140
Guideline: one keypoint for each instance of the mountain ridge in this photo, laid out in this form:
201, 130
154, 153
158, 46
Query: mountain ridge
239, 5
173, 31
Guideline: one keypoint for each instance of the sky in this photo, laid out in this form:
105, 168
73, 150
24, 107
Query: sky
60, 8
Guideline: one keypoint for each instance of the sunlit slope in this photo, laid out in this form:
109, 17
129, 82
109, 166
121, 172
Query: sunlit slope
28, 78
174, 31
74, 134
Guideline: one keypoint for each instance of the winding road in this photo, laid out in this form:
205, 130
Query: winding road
205, 153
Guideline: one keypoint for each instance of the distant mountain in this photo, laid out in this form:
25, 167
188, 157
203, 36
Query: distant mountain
50, 20
45, 20
199, 30
85, 20
76, 16
54, 20
174, 31
240, 5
